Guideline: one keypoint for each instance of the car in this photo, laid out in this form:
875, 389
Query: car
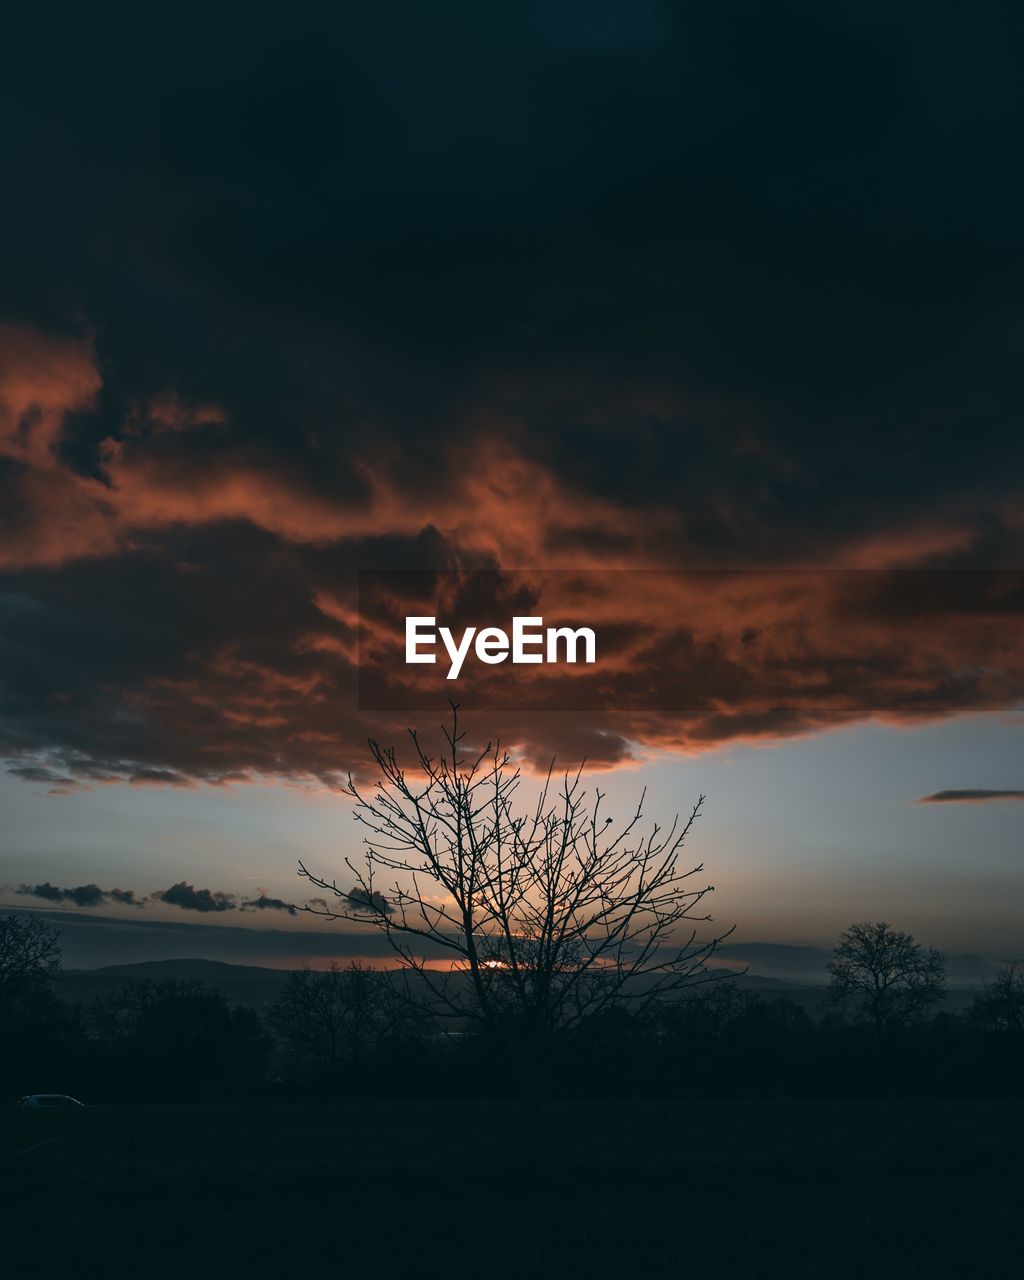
52, 1101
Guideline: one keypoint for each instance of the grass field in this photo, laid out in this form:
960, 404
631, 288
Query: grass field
644, 1189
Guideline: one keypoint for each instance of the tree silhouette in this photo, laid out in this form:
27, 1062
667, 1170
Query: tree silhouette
336, 1019
181, 1039
541, 918
884, 977
1000, 1006
29, 955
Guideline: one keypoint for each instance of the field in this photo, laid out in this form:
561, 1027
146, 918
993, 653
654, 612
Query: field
421, 1189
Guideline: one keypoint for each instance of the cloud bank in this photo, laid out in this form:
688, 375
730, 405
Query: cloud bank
183, 895
636, 310
83, 895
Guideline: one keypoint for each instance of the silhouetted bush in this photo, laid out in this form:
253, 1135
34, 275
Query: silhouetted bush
179, 1040
183, 1040
45, 1046
340, 1028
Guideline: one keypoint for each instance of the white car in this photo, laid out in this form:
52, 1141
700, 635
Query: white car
51, 1101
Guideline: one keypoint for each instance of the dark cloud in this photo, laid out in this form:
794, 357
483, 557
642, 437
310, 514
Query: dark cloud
970, 795
181, 895
56, 782
264, 903
158, 777
227, 669
189, 898
44, 890
359, 900
83, 895
127, 898
553, 285
86, 895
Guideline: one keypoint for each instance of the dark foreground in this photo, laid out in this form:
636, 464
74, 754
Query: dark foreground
646, 1189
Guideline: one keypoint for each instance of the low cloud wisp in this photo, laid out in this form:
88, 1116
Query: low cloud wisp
970, 795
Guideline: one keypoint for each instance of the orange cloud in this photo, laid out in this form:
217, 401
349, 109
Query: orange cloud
42, 379
262, 676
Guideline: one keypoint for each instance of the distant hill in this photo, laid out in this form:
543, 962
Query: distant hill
255, 987
242, 984
159, 970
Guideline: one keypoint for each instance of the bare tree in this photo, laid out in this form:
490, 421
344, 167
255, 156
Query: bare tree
540, 919
29, 954
335, 1018
1000, 1006
884, 977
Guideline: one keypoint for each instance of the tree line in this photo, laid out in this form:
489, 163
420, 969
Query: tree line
357, 1032
577, 954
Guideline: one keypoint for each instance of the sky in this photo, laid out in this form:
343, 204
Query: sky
697, 322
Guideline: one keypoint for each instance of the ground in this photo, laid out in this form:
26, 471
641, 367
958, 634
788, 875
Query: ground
772, 1189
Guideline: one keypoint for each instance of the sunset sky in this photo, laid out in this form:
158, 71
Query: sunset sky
700, 323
